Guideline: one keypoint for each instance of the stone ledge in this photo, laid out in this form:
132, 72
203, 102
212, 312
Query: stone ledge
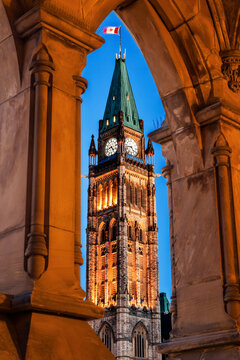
38, 18
206, 340
66, 305
218, 111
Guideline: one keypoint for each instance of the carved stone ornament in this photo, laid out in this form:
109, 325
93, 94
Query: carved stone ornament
231, 69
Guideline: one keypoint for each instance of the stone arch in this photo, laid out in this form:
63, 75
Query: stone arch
102, 233
103, 326
140, 323
131, 231
190, 81
112, 229
140, 341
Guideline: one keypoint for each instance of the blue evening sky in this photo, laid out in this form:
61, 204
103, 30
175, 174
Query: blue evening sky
98, 72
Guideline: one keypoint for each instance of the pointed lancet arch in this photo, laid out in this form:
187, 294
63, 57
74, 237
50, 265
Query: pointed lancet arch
107, 335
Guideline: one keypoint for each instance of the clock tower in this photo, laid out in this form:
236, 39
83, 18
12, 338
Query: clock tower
122, 238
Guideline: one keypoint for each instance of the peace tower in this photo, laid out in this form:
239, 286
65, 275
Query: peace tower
122, 235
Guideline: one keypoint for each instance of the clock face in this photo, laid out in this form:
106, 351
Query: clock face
131, 146
111, 147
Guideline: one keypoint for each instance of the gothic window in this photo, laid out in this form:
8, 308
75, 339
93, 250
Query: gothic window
115, 192
143, 199
103, 236
131, 194
106, 336
114, 232
114, 257
136, 195
99, 197
140, 236
129, 232
114, 248
110, 195
128, 193
140, 343
105, 196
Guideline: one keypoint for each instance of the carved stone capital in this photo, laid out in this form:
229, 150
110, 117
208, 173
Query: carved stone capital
81, 86
231, 69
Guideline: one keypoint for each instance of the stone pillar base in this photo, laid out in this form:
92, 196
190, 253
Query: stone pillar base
35, 327
218, 345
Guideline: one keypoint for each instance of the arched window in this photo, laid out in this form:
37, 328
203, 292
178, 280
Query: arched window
140, 235
143, 198
140, 342
99, 197
114, 192
131, 194
105, 196
106, 335
110, 193
114, 232
128, 193
136, 195
129, 232
103, 235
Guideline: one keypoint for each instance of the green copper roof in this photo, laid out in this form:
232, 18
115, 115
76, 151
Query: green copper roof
120, 97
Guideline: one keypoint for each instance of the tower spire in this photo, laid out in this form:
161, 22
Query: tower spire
120, 98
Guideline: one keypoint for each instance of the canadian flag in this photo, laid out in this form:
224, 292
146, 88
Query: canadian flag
111, 30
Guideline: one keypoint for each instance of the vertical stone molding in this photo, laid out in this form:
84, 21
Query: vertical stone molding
227, 232
166, 172
81, 85
36, 251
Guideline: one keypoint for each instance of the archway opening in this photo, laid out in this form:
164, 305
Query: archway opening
99, 72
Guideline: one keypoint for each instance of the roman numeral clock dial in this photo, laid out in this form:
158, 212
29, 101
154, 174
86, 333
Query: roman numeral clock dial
131, 146
111, 147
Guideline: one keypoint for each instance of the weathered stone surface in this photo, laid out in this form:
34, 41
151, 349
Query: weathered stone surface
192, 48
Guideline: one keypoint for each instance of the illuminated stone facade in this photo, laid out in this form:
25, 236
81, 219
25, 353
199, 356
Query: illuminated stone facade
122, 236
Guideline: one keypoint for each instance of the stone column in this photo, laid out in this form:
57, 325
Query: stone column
227, 229
166, 171
204, 228
36, 251
122, 310
81, 86
48, 313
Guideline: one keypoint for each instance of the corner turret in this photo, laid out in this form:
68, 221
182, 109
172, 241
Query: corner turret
92, 152
149, 152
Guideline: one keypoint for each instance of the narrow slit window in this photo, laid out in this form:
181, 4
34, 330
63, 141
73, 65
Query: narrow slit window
114, 119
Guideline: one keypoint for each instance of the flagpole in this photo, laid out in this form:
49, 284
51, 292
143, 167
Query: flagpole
120, 42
